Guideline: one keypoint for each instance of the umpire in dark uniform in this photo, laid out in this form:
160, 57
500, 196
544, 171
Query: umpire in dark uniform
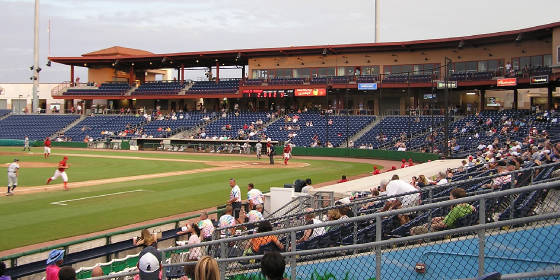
271, 152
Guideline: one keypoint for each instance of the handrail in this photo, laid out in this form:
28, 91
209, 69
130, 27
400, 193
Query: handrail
105, 235
373, 216
373, 244
381, 198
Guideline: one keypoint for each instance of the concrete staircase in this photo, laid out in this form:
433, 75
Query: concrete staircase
363, 131
68, 127
186, 88
185, 134
130, 91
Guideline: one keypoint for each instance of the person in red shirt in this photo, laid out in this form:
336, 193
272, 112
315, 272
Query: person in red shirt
61, 172
404, 163
343, 179
410, 162
287, 153
376, 170
47, 149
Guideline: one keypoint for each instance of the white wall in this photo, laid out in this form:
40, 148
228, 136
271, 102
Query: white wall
13, 91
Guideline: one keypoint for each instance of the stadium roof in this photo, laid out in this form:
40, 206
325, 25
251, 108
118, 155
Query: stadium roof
120, 57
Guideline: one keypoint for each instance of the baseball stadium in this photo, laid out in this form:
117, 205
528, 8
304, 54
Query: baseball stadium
425, 159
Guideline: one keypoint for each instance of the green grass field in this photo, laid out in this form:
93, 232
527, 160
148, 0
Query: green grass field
31, 218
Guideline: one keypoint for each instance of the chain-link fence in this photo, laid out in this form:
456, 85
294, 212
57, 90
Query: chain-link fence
452, 239
474, 180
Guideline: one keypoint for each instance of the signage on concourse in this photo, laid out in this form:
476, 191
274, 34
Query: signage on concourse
367, 86
507, 82
310, 92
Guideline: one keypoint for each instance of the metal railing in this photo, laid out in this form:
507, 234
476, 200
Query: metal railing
428, 192
481, 236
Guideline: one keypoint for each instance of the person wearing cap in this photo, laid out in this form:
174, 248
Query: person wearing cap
26, 144
149, 264
61, 172
287, 153
258, 148
270, 150
376, 170
54, 262
13, 169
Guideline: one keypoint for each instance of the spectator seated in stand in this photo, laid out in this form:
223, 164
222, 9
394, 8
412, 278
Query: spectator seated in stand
263, 244
441, 223
310, 219
399, 187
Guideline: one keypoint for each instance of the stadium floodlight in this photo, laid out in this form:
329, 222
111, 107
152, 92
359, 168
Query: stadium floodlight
238, 56
461, 44
324, 51
164, 59
519, 37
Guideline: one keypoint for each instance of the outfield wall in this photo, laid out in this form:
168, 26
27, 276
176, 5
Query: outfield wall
16, 142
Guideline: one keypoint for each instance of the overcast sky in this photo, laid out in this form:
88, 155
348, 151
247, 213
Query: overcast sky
196, 25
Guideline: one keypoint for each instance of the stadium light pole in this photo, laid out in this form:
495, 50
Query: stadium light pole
35, 76
446, 145
377, 21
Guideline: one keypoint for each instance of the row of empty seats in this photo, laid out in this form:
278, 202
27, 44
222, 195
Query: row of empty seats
212, 87
93, 126
159, 88
36, 127
104, 89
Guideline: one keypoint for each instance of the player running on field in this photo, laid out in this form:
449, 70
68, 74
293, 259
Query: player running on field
47, 149
61, 172
287, 153
12, 176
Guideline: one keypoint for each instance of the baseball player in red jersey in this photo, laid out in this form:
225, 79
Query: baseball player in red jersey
61, 172
47, 149
287, 153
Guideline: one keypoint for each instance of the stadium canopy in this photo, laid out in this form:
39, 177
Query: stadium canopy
120, 57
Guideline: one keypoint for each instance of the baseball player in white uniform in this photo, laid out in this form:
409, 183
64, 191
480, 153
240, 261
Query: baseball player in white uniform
26, 144
12, 176
258, 147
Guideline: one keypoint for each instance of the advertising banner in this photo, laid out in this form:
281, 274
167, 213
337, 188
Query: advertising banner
310, 92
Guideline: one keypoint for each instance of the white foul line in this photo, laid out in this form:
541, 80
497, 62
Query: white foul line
63, 202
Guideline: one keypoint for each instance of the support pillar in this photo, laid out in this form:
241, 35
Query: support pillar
243, 72
217, 72
71, 75
182, 73
132, 77
482, 101
549, 99
515, 99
